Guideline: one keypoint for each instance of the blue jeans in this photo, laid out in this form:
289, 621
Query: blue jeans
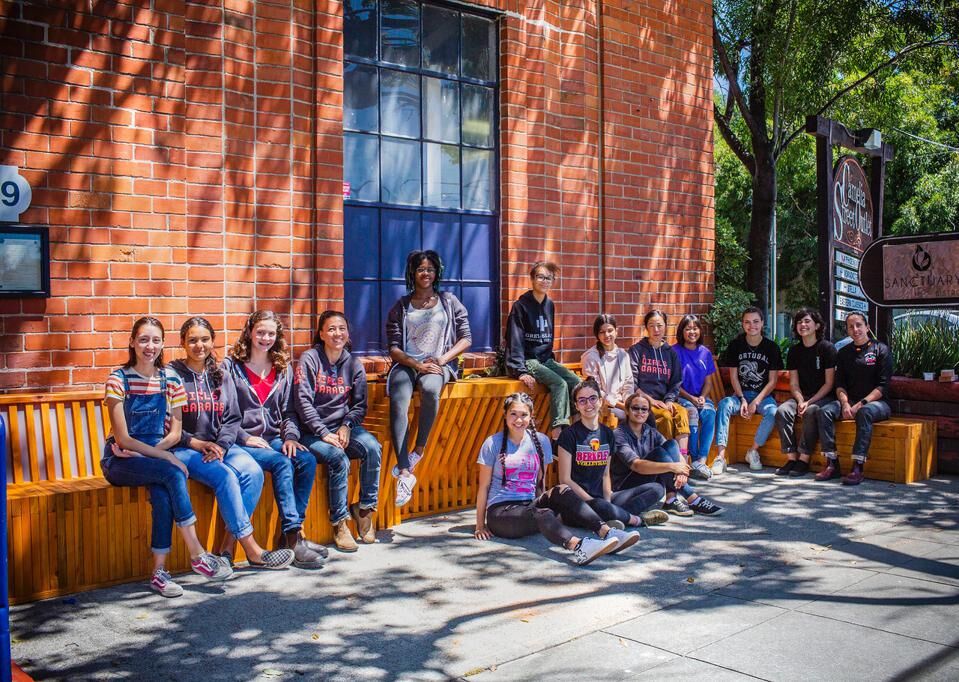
292, 480
362, 446
730, 406
702, 428
669, 452
236, 481
169, 496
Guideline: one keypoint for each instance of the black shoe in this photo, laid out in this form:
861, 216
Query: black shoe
801, 469
786, 468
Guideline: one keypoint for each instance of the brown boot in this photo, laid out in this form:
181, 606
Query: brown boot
343, 537
855, 476
303, 556
830, 472
315, 546
364, 524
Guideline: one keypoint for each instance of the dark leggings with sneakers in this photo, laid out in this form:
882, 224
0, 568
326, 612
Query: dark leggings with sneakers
548, 514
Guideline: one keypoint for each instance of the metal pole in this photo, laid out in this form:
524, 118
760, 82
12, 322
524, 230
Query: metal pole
773, 256
6, 673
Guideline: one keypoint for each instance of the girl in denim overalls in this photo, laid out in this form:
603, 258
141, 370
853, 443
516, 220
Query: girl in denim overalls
145, 402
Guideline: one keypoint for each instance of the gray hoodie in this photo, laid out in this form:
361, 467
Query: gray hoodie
273, 418
329, 395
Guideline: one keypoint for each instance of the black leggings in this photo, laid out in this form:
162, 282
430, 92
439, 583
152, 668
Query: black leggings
632, 501
546, 514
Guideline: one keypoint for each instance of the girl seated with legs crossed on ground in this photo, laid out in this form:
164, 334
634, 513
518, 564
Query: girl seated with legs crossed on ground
331, 398
754, 362
608, 365
145, 402
584, 453
259, 366
863, 373
511, 502
207, 446
643, 456
529, 345
811, 363
658, 376
697, 363
426, 330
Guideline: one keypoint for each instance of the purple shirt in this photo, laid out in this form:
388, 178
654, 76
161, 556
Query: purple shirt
697, 365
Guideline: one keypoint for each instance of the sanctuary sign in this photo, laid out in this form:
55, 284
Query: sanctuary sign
920, 271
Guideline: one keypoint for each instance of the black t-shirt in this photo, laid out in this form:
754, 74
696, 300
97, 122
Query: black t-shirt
753, 362
859, 369
590, 451
811, 362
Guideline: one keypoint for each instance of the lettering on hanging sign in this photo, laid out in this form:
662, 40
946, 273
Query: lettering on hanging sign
852, 211
847, 288
852, 303
847, 274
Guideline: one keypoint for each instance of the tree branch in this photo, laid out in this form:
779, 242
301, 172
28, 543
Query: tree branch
938, 42
732, 77
739, 149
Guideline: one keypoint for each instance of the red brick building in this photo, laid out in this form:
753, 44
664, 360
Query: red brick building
212, 158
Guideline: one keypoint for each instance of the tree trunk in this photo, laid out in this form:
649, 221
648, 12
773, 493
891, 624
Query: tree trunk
760, 229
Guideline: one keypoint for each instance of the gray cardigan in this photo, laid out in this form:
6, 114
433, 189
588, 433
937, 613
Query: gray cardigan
457, 325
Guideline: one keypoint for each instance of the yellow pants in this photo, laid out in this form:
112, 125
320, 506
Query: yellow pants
672, 424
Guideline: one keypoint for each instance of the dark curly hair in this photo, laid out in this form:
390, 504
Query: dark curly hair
413, 261
814, 315
279, 352
210, 365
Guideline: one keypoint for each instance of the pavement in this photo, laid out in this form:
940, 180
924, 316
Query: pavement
796, 581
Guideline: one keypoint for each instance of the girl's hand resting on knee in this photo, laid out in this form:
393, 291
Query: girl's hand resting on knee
256, 442
123, 452
291, 446
333, 440
528, 381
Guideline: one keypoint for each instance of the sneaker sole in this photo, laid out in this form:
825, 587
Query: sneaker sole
606, 550
624, 546
679, 513
654, 517
308, 565
172, 595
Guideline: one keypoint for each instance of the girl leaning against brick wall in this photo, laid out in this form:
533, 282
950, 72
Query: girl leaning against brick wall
145, 401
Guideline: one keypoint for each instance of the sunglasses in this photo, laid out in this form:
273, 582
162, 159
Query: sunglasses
638, 409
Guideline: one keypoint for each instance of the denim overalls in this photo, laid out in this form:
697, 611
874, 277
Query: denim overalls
169, 497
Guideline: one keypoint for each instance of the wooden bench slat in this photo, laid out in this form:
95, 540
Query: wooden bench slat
48, 449
66, 463
31, 443
79, 438
13, 429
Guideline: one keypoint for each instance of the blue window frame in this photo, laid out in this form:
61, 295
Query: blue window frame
420, 157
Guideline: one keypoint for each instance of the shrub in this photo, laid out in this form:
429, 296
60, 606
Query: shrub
927, 346
724, 317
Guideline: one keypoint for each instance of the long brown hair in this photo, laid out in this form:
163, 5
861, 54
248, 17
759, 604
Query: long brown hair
132, 357
279, 352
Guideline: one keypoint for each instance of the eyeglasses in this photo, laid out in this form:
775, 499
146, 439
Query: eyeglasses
587, 400
425, 271
638, 409
543, 278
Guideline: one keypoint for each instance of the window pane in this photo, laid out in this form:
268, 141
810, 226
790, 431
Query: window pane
361, 226
441, 39
442, 110
361, 167
400, 103
401, 172
442, 174
477, 115
400, 32
359, 98
359, 28
477, 179
479, 48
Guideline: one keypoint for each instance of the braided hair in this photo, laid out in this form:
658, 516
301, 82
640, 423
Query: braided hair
210, 365
531, 430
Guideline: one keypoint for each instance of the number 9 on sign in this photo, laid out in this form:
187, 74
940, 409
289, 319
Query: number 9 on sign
15, 194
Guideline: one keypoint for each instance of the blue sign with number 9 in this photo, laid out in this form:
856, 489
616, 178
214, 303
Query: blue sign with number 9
9, 193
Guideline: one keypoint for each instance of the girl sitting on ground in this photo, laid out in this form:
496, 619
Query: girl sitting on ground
697, 365
530, 333
812, 369
259, 367
145, 402
511, 502
863, 372
584, 454
658, 376
643, 456
608, 365
207, 445
426, 330
330, 398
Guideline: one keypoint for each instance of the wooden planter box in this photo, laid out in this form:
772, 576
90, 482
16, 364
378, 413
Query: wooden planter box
935, 400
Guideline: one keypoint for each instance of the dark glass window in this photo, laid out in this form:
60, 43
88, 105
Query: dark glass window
420, 158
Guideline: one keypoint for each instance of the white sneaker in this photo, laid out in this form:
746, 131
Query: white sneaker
415, 457
719, 466
626, 538
753, 459
588, 549
404, 489
162, 582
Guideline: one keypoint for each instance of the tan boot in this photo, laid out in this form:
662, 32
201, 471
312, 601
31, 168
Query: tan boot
343, 537
364, 524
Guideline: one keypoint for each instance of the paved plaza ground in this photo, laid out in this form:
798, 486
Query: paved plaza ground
796, 581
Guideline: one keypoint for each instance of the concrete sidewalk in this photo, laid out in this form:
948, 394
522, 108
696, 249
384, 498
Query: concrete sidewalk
797, 580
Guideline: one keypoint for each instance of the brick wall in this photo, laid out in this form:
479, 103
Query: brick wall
187, 157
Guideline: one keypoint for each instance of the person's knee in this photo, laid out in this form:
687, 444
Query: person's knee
303, 462
864, 417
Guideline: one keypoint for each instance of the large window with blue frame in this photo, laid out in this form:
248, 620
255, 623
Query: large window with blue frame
420, 156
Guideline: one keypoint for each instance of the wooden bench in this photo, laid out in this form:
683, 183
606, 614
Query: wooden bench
70, 530
903, 449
